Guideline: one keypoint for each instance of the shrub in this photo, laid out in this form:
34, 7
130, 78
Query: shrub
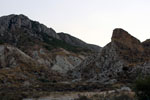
1, 41
122, 97
82, 98
142, 88
43, 80
11, 96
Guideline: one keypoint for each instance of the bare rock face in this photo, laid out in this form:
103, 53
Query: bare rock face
128, 47
12, 57
58, 60
13, 23
121, 60
17, 68
63, 63
122, 37
146, 46
19, 30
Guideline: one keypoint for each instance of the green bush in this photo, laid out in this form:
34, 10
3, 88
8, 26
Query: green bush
82, 98
43, 80
142, 88
1, 41
121, 97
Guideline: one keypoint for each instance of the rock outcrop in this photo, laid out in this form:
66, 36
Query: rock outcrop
123, 59
17, 69
146, 46
128, 47
13, 23
11, 57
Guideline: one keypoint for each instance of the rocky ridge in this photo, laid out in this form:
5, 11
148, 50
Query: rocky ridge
34, 57
42, 44
77, 42
19, 28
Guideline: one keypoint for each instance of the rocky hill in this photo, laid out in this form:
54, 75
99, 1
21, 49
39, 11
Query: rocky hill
123, 59
18, 30
43, 44
34, 59
33, 55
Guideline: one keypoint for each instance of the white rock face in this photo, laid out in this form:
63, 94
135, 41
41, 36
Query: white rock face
10, 56
59, 60
101, 67
64, 63
75, 61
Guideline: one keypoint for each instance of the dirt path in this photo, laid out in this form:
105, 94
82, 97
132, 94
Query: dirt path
74, 95
67, 96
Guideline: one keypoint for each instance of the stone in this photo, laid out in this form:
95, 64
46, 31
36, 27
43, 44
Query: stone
126, 89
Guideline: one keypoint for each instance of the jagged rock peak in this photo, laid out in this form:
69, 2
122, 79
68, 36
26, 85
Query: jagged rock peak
122, 37
15, 21
13, 27
21, 22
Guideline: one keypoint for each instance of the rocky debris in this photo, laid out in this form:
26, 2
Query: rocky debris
64, 64
112, 81
125, 89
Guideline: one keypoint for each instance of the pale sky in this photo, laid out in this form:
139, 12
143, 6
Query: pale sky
90, 20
